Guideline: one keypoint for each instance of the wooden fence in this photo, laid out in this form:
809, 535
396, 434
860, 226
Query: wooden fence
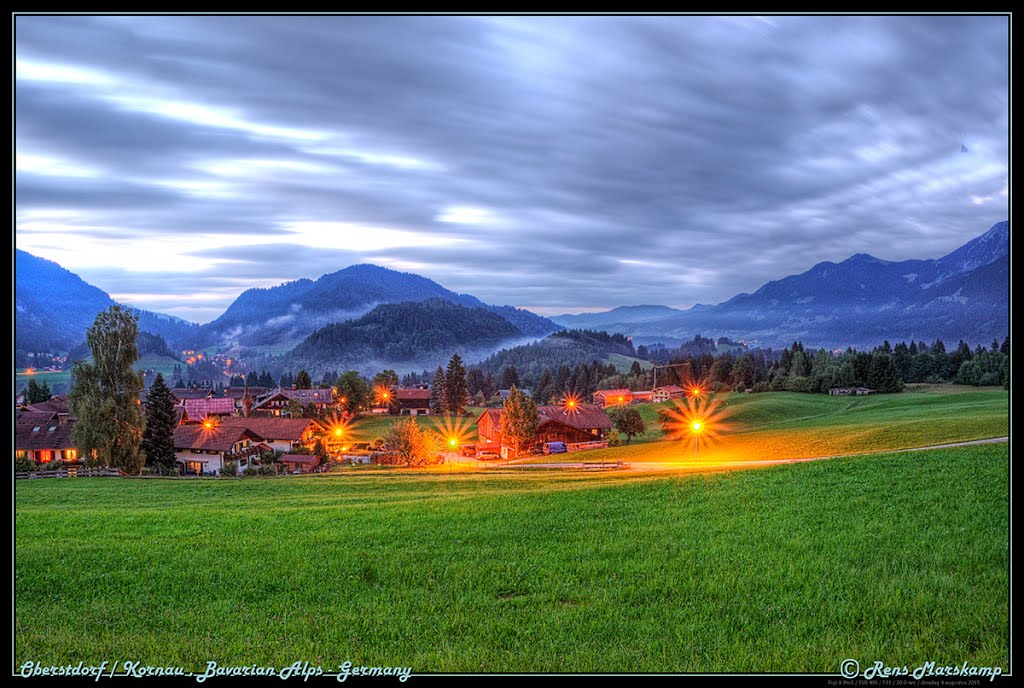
69, 472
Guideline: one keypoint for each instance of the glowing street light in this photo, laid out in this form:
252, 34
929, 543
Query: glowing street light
697, 428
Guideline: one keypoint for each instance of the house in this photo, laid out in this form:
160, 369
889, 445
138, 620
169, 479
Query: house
667, 392
55, 404
613, 397
299, 463
411, 401
198, 410
502, 394
277, 399
203, 450
586, 423
237, 395
44, 437
182, 393
280, 434
642, 397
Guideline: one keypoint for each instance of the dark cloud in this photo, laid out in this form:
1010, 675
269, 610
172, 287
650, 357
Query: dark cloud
587, 161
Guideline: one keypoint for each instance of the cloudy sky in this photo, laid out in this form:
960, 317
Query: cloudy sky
561, 164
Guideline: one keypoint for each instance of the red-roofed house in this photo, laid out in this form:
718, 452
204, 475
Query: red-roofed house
587, 423
44, 437
281, 434
613, 397
203, 451
411, 402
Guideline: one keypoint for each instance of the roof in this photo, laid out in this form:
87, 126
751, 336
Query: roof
418, 394
57, 404
299, 458
614, 392
503, 393
239, 392
671, 389
495, 415
32, 431
197, 409
217, 438
642, 395
303, 396
191, 392
585, 417
273, 428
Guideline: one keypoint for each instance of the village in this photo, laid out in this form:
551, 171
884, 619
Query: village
300, 431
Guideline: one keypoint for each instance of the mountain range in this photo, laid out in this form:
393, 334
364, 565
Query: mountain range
858, 302
54, 307
290, 312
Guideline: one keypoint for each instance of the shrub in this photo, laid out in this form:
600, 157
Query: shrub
251, 470
23, 464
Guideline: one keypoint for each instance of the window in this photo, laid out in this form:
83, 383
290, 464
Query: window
20, 454
45, 456
52, 428
36, 429
71, 454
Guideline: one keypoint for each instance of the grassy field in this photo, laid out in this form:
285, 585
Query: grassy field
899, 557
161, 364
784, 425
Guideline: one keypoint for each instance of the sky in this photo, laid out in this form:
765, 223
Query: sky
561, 164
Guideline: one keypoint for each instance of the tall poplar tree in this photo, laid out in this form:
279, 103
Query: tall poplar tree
105, 393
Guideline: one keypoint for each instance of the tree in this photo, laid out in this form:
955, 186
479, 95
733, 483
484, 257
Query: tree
303, 380
320, 451
105, 393
158, 435
455, 388
35, 393
519, 420
628, 422
385, 378
438, 395
293, 409
414, 445
882, 374
509, 378
354, 393
475, 381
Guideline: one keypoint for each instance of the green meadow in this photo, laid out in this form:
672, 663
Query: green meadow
790, 568
788, 425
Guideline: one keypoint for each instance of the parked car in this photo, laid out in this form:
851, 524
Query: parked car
555, 448
487, 456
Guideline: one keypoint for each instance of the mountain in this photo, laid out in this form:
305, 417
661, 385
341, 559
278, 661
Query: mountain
417, 334
858, 302
566, 347
618, 319
54, 307
288, 313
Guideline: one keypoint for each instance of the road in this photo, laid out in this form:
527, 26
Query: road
463, 463
732, 465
